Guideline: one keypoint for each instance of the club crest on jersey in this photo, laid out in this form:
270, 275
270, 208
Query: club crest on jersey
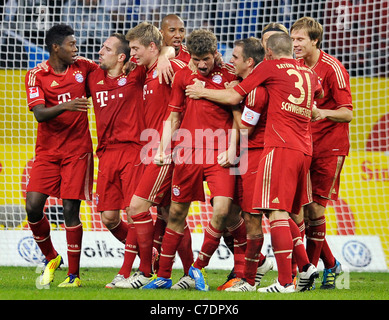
155, 74
217, 78
78, 76
176, 190
122, 81
248, 116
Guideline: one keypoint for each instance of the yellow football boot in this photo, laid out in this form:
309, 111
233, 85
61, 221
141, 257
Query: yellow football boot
71, 281
48, 273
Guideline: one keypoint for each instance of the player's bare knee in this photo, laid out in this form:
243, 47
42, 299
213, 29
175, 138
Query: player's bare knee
137, 205
110, 220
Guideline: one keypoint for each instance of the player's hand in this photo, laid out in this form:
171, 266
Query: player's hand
165, 70
231, 84
227, 158
318, 114
128, 67
194, 91
78, 104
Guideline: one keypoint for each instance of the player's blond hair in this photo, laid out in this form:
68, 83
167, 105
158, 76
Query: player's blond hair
145, 33
281, 44
314, 29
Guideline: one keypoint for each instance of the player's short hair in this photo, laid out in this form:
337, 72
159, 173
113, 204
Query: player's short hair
274, 26
314, 29
281, 44
168, 17
145, 33
251, 48
57, 34
201, 42
123, 45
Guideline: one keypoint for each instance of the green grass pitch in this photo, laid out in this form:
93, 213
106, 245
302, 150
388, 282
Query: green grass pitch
18, 283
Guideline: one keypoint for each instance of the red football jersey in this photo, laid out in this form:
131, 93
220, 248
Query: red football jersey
329, 137
67, 133
291, 89
205, 124
255, 113
156, 96
118, 106
183, 55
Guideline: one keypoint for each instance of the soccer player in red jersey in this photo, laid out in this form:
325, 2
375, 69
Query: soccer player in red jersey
173, 33
203, 127
247, 53
145, 42
63, 165
330, 132
281, 186
118, 106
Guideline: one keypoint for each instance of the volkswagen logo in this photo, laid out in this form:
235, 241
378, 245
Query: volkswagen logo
29, 250
356, 254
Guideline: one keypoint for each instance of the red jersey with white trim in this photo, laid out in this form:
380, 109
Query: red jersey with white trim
68, 133
329, 137
183, 54
156, 96
206, 122
291, 89
254, 112
118, 106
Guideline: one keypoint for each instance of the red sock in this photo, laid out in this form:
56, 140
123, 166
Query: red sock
299, 252
185, 250
211, 242
301, 227
327, 256
144, 229
315, 237
74, 240
120, 231
159, 230
238, 231
282, 243
253, 253
130, 251
171, 241
41, 233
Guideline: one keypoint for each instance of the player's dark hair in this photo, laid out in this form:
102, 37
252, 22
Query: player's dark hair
251, 48
123, 46
57, 34
274, 26
201, 42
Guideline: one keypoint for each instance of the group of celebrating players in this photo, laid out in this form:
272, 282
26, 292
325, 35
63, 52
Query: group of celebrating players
268, 133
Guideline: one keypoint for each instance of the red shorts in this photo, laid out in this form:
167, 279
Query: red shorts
246, 181
156, 184
325, 178
68, 178
120, 170
195, 167
283, 181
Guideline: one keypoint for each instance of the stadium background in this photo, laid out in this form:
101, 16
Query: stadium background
356, 32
